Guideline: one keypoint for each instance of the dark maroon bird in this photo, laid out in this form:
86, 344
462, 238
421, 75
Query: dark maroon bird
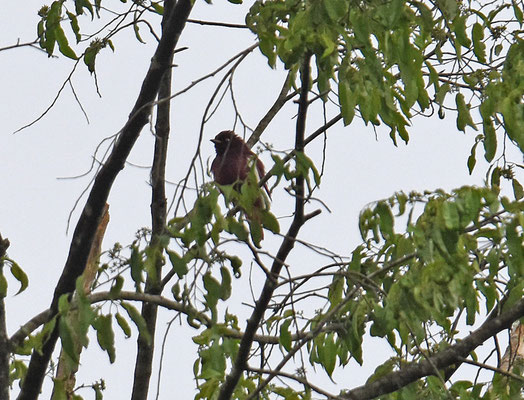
232, 163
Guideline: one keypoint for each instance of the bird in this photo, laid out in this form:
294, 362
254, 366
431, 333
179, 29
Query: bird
232, 162
232, 166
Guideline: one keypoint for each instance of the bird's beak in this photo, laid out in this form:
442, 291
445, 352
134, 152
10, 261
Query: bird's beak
215, 141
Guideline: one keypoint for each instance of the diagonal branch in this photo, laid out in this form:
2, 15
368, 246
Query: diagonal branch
92, 212
240, 363
275, 108
456, 353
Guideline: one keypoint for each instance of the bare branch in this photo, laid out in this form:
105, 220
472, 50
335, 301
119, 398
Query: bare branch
275, 108
146, 347
18, 45
221, 24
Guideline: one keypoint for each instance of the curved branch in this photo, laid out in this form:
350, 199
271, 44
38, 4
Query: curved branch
25, 330
456, 353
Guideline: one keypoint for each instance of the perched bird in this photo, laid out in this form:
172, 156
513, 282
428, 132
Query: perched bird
233, 165
233, 161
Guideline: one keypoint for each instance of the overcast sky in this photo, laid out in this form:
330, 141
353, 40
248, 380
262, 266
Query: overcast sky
360, 166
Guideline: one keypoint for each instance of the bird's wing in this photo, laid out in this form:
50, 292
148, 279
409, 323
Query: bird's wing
215, 165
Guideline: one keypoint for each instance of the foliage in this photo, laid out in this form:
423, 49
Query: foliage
428, 262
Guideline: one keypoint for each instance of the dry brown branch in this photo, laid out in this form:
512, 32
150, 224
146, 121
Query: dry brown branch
89, 274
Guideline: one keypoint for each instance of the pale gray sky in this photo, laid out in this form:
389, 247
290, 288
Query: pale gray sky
360, 167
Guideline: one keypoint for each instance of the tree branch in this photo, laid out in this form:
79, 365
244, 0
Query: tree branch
25, 330
64, 371
240, 362
456, 353
4, 348
299, 379
275, 108
92, 212
146, 346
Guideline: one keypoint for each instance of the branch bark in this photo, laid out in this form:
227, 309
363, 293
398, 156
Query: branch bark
270, 284
92, 212
4, 348
63, 372
456, 353
145, 348
275, 108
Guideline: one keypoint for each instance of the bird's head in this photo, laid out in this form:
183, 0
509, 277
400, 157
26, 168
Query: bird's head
227, 141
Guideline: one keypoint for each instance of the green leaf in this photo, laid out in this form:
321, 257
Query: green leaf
459, 26
329, 354
336, 291
347, 101
441, 93
63, 304
514, 241
105, 335
269, 221
67, 338
3, 285
123, 325
518, 191
81, 4
451, 215
257, 234
471, 306
236, 263
139, 321
158, 8
304, 164
63, 44
136, 28
336, 9
518, 12
19, 275
449, 7
225, 286
45, 333
490, 141
137, 265
237, 228
213, 289
74, 26
90, 57
386, 220
116, 287
479, 48
178, 263
285, 335
490, 293
464, 117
